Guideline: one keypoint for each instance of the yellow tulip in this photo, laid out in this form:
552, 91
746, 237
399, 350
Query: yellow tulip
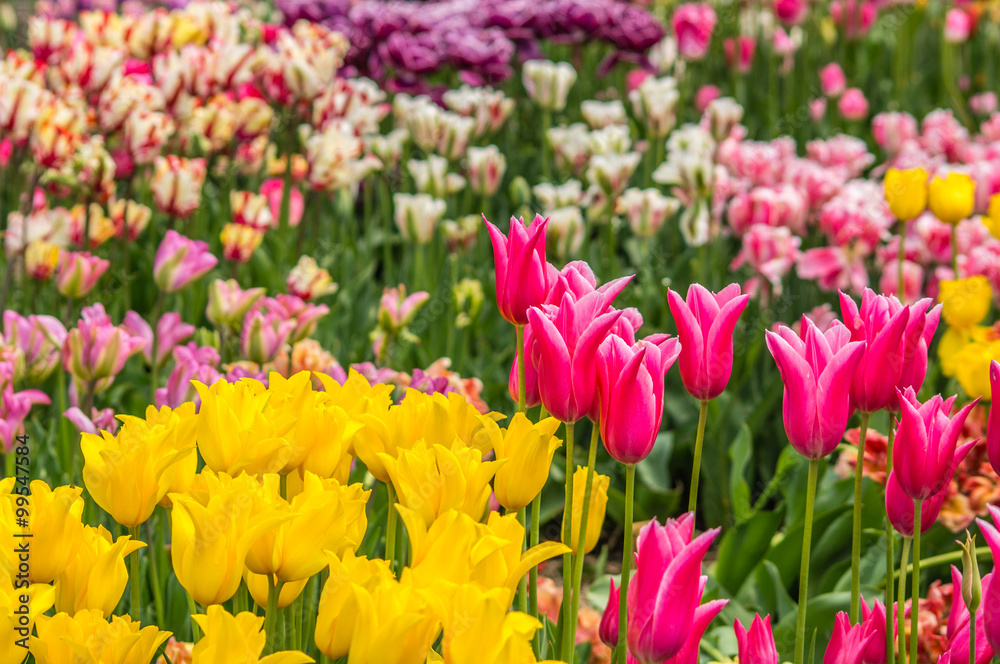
598, 504
290, 398
87, 636
992, 218
260, 588
952, 198
9, 530
972, 367
238, 639
182, 422
479, 629
528, 449
234, 435
906, 192
127, 474
394, 625
966, 301
55, 529
323, 516
96, 577
356, 395
15, 626
432, 480
326, 432
212, 531
455, 550
338, 605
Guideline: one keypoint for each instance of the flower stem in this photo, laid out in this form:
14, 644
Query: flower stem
154, 553
522, 389
546, 152
901, 595
536, 507
271, 614
390, 526
915, 591
890, 538
856, 540
522, 584
900, 291
567, 601
954, 250
135, 608
696, 470
581, 538
193, 610
626, 564
972, 636
800, 621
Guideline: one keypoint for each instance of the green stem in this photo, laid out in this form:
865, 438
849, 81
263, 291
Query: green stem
536, 507
193, 611
546, 152
65, 446
390, 525
890, 538
915, 592
900, 291
522, 389
154, 566
696, 470
295, 618
800, 621
581, 537
135, 608
901, 594
566, 535
154, 366
942, 559
950, 79
522, 584
972, 637
271, 614
626, 564
954, 249
856, 539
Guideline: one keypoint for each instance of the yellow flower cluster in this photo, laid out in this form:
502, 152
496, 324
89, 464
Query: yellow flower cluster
273, 507
967, 347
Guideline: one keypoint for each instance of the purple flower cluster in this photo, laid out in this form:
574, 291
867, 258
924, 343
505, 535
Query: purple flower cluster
403, 41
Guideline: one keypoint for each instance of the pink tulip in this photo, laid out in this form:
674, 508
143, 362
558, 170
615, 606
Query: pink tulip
705, 325
832, 80
899, 508
79, 272
39, 340
920, 328
991, 592
957, 26
304, 315
892, 130
926, 451
228, 303
566, 339
522, 275
848, 644
100, 420
816, 368
608, 629
191, 362
739, 53
993, 426
756, 646
171, 331
853, 105
396, 309
693, 25
665, 592
874, 621
630, 384
95, 351
264, 335
273, 189
179, 261
14, 409
791, 12
880, 323
706, 95
913, 281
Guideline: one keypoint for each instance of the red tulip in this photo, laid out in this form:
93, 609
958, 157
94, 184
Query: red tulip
521, 270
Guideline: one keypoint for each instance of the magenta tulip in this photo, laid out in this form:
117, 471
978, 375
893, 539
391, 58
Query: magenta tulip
816, 369
874, 621
705, 324
920, 328
95, 351
522, 275
993, 426
880, 323
991, 592
179, 261
630, 384
926, 451
848, 644
665, 592
688, 654
608, 629
899, 507
566, 339
756, 646
171, 331
959, 625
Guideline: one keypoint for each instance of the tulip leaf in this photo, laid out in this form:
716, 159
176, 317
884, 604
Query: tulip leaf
740, 452
820, 613
654, 470
743, 547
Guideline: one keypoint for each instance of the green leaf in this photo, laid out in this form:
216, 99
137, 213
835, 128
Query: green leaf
820, 613
654, 470
743, 548
740, 452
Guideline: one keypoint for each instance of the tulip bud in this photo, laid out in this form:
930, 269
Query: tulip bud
952, 198
129, 218
432, 177
264, 336
468, 294
566, 231
41, 259
179, 261
608, 629
309, 281
78, 273
723, 115
417, 216
486, 169
461, 235
228, 303
596, 509
548, 83
646, 210
396, 310
177, 185
906, 192
972, 584
520, 191
250, 209
239, 242
654, 103
965, 301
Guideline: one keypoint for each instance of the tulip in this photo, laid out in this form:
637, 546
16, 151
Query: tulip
952, 198
646, 210
874, 620
566, 341
548, 83
191, 363
309, 281
667, 589
992, 218
56, 529
264, 335
179, 261
95, 351
920, 329
832, 80
486, 169
39, 339
239, 242
273, 189
96, 577
176, 185
853, 105
228, 303
129, 218
171, 332
906, 192
608, 629
39, 600
526, 450
86, 635
693, 24
396, 309
238, 639
394, 626
880, 323
417, 216
757, 645
596, 507
848, 644
966, 301
630, 388
127, 474
899, 508
41, 259
326, 432
522, 278
250, 209
478, 628
993, 425
182, 422
337, 613
211, 533
78, 273
991, 591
